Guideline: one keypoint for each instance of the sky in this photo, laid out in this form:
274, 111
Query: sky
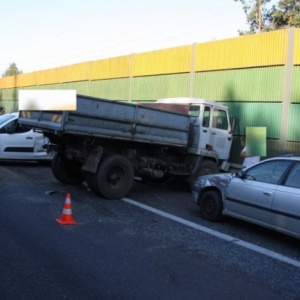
40, 34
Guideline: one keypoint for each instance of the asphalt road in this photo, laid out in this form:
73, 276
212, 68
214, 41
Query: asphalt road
122, 251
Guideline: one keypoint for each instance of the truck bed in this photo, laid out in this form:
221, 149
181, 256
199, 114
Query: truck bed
114, 120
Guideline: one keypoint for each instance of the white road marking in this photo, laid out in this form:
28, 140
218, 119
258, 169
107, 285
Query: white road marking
217, 234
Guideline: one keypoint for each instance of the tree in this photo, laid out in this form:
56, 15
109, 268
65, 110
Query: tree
258, 15
286, 14
261, 16
12, 70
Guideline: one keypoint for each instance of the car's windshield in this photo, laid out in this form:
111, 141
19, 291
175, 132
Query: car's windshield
5, 118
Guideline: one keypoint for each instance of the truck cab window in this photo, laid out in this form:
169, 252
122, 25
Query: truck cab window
194, 110
220, 119
206, 116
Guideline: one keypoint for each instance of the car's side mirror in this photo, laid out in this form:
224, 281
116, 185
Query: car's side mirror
240, 174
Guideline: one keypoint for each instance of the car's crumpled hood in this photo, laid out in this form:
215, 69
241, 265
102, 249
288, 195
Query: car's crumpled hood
221, 181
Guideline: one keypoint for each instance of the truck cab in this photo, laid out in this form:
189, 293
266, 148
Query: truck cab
215, 133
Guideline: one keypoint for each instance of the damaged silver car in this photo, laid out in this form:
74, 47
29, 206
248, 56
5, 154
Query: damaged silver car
266, 194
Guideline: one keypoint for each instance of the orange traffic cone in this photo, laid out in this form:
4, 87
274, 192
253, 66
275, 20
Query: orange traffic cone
66, 216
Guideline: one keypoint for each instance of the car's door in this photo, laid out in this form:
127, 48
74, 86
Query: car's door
286, 204
252, 195
16, 142
39, 141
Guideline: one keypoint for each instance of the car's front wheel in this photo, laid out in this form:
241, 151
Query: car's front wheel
211, 206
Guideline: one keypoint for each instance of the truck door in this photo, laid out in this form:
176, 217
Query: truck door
205, 128
220, 135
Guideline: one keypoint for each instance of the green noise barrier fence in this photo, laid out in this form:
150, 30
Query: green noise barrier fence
257, 76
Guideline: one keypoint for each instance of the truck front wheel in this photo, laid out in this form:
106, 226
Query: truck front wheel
114, 178
66, 171
208, 167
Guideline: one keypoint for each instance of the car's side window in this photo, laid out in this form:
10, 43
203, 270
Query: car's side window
293, 179
9, 127
23, 128
269, 172
14, 127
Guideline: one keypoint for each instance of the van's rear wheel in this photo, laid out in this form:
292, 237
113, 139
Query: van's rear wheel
114, 177
67, 171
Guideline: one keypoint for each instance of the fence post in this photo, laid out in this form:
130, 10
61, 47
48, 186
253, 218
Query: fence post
192, 72
287, 91
131, 62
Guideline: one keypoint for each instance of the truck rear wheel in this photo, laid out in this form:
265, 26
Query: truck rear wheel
114, 178
91, 181
67, 171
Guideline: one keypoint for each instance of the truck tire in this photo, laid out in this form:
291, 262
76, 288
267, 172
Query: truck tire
55, 168
91, 181
208, 167
211, 206
114, 177
91, 178
66, 171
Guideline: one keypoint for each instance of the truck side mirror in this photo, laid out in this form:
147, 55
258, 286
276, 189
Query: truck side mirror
233, 124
